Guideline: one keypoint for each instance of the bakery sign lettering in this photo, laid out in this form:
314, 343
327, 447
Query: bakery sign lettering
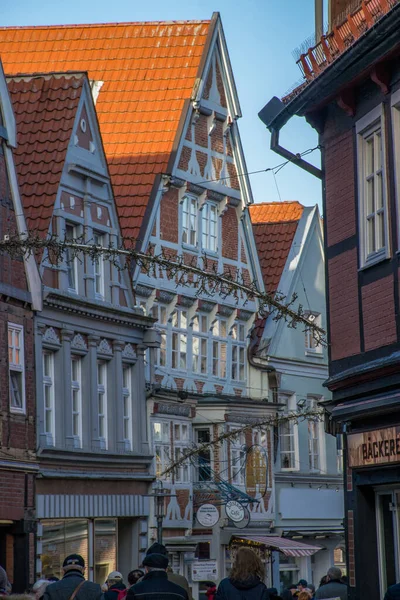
378, 447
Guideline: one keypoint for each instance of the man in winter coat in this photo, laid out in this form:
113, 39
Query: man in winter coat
393, 593
115, 586
155, 584
73, 585
334, 588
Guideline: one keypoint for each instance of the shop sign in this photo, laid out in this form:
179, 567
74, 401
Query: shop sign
234, 511
207, 515
204, 570
378, 447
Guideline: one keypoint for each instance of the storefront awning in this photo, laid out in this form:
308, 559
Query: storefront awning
284, 545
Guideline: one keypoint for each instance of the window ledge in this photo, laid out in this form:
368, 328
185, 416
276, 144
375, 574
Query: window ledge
186, 246
210, 253
319, 355
18, 411
374, 261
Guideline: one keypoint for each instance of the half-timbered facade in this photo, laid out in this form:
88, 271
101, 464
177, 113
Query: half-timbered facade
350, 95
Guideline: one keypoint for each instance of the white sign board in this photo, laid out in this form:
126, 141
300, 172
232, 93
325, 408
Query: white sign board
207, 515
235, 511
204, 570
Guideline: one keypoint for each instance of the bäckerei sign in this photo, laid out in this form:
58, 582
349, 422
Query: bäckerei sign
378, 447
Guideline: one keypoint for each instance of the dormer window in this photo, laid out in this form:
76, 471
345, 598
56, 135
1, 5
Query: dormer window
189, 221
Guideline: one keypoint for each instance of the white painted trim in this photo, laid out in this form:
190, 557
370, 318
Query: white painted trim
395, 108
368, 121
31, 268
7, 110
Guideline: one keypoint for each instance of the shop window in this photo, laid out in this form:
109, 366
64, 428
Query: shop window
16, 365
60, 538
288, 572
105, 548
203, 551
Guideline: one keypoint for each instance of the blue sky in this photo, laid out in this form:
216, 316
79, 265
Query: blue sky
261, 35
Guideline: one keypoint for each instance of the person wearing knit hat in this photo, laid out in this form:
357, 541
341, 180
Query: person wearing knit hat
73, 585
155, 584
157, 548
115, 585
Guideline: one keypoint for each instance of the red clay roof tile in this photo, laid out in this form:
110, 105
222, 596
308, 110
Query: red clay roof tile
45, 109
148, 70
274, 227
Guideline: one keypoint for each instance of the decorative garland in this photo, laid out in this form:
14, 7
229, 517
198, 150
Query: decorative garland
200, 273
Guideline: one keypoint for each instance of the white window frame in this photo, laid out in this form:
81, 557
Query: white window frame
179, 339
102, 399
209, 217
395, 108
48, 385
196, 436
219, 343
316, 431
181, 443
76, 387
366, 127
16, 367
238, 349
312, 346
98, 267
190, 221
161, 446
289, 400
200, 338
159, 312
127, 404
71, 263
238, 459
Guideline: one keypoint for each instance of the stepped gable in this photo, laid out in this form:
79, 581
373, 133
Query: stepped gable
143, 74
274, 227
45, 109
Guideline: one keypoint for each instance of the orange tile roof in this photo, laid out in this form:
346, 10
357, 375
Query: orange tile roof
45, 109
148, 70
274, 227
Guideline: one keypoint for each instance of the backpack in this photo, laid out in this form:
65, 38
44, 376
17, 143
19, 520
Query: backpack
121, 593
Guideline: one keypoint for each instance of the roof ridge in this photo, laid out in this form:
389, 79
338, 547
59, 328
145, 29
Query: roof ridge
276, 202
108, 24
41, 74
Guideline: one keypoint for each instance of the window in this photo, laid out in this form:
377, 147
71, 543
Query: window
127, 399
238, 459
203, 436
179, 339
189, 221
311, 344
200, 344
16, 367
162, 445
313, 436
287, 446
159, 312
48, 396
71, 260
76, 391
238, 352
181, 442
372, 193
209, 225
219, 348
98, 268
102, 402
339, 461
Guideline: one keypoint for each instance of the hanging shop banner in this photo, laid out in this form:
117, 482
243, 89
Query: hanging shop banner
245, 521
235, 511
256, 472
204, 570
207, 515
378, 447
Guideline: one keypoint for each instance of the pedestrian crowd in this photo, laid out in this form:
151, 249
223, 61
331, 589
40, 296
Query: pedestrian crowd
158, 582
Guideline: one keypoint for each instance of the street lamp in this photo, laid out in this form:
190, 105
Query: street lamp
159, 507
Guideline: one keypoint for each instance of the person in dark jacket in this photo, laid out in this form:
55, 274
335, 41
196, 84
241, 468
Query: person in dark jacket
393, 593
155, 584
334, 588
290, 592
73, 582
246, 579
115, 585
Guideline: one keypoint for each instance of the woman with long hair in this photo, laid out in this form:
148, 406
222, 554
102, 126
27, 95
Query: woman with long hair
246, 580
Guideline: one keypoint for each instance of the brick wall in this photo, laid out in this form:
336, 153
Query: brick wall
344, 305
378, 313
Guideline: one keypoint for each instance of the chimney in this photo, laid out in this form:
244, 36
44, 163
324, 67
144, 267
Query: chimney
319, 19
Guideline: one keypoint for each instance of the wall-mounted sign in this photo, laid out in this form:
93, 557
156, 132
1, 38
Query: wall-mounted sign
204, 570
234, 511
377, 447
256, 472
245, 521
207, 515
